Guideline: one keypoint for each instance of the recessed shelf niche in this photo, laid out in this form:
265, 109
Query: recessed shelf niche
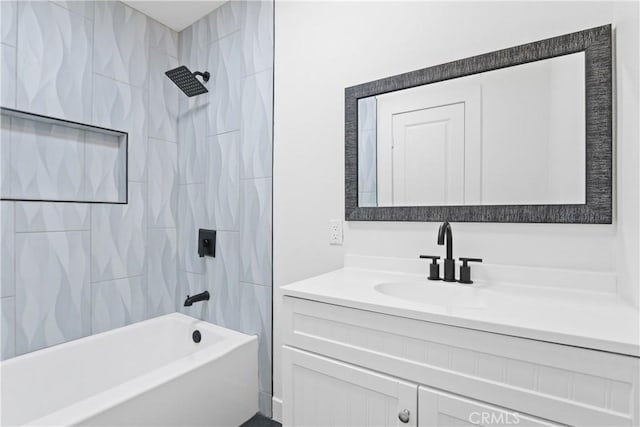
49, 159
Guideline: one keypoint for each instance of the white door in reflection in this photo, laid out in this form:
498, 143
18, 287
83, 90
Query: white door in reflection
511, 136
428, 156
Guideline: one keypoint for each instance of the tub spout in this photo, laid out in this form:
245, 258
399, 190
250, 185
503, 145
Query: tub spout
204, 296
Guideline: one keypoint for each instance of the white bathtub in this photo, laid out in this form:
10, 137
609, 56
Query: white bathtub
148, 373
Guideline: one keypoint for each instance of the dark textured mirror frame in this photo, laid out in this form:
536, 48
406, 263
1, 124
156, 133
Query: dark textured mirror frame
596, 44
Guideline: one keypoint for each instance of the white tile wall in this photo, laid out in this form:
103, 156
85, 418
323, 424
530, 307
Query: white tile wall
191, 217
8, 92
123, 107
52, 292
226, 68
117, 303
255, 231
7, 327
118, 237
55, 48
255, 132
202, 162
38, 217
163, 97
163, 188
223, 281
223, 181
229, 176
7, 251
122, 43
100, 75
46, 161
162, 272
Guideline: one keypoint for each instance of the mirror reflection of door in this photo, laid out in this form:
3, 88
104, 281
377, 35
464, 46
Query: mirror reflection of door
428, 156
429, 146
509, 136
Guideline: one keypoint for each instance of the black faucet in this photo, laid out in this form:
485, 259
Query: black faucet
204, 296
449, 261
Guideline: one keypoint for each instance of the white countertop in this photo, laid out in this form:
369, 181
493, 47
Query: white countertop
582, 318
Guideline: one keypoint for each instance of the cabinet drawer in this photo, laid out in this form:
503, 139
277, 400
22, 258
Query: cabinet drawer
322, 392
440, 409
571, 385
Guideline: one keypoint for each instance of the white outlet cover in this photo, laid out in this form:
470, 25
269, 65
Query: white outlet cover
335, 232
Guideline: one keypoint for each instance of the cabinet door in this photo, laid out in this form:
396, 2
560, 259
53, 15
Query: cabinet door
324, 392
437, 408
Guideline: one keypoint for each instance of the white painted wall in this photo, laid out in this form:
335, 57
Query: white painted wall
323, 47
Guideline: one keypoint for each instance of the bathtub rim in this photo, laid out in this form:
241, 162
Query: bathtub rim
226, 332
89, 407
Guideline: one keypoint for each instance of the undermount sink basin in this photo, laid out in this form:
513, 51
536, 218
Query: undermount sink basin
432, 293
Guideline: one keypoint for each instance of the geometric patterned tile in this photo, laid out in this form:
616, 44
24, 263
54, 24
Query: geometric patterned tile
105, 168
52, 299
265, 404
255, 231
223, 181
257, 36
193, 46
191, 217
162, 270
223, 281
81, 7
225, 65
193, 128
123, 107
5, 156
163, 97
38, 217
54, 61
118, 237
255, 131
367, 151
367, 162
163, 188
117, 303
367, 113
255, 319
162, 38
9, 24
46, 161
7, 328
226, 19
8, 84
121, 43
7, 250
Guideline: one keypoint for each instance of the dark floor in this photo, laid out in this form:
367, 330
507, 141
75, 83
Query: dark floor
261, 421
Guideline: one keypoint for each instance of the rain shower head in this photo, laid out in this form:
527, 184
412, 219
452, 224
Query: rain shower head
187, 81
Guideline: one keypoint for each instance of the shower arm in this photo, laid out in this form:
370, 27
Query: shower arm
205, 76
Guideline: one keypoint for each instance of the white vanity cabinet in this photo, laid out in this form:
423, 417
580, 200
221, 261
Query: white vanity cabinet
438, 408
350, 367
326, 392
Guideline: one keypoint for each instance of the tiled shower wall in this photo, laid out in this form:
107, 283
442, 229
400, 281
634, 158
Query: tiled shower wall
367, 152
224, 173
69, 270
73, 269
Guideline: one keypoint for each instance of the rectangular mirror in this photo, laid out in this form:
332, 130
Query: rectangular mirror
509, 136
518, 135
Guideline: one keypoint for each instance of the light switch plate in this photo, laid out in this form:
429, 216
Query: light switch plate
335, 232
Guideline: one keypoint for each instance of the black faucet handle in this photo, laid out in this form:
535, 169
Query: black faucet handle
465, 269
434, 267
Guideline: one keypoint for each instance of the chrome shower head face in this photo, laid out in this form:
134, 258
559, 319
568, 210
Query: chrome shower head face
187, 81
